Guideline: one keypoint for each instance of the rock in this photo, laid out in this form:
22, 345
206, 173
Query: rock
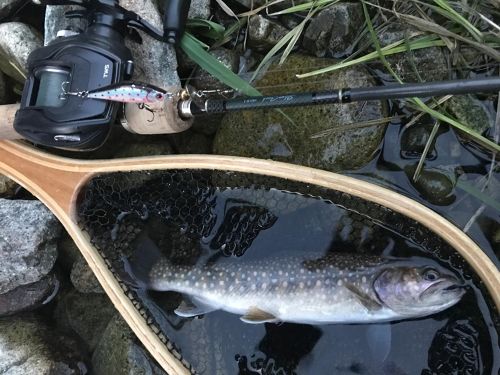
118, 350
268, 134
83, 279
146, 146
253, 4
334, 30
471, 112
28, 347
190, 142
199, 9
28, 236
29, 297
435, 185
87, 315
155, 62
229, 58
7, 6
208, 125
415, 138
55, 20
430, 63
263, 33
17, 41
7, 187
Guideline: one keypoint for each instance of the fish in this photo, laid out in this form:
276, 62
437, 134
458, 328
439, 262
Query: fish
125, 92
335, 288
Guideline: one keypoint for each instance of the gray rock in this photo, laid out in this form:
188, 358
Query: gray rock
229, 58
17, 41
83, 279
269, 134
28, 236
28, 347
252, 4
334, 30
29, 297
155, 61
430, 63
6, 6
7, 187
87, 315
263, 33
199, 9
55, 21
415, 138
471, 112
117, 353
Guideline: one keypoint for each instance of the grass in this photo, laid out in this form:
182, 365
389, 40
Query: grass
440, 24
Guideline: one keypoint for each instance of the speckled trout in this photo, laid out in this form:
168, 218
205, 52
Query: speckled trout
337, 288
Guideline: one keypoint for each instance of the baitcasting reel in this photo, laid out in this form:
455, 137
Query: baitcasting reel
97, 57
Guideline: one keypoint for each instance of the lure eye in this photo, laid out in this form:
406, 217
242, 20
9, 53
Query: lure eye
159, 96
431, 275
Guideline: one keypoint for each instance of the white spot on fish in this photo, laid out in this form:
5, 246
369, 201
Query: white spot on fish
363, 279
339, 283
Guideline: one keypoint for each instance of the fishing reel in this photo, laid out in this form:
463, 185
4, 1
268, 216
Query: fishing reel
95, 58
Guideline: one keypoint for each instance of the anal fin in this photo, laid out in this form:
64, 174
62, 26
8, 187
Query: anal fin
188, 309
255, 315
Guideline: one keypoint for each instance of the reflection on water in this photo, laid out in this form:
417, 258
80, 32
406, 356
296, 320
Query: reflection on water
200, 217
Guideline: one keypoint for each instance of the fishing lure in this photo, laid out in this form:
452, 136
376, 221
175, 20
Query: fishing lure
125, 92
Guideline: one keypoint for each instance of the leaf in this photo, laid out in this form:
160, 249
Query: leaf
226, 9
193, 48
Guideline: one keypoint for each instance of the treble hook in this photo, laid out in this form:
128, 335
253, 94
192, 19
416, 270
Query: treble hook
147, 108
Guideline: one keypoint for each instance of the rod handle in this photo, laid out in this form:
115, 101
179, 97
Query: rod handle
7, 114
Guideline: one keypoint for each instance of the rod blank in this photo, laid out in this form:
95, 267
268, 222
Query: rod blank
411, 90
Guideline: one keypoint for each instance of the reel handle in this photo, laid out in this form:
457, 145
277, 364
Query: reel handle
174, 21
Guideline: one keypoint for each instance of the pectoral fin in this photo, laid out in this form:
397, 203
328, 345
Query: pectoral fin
255, 316
188, 309
364, 298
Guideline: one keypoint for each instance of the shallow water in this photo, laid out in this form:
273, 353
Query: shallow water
203, 216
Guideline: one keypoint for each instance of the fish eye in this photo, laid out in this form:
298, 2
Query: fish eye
159, 96
431, 275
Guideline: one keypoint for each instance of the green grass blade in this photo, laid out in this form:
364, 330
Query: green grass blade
391, 49
193, 48
456, 17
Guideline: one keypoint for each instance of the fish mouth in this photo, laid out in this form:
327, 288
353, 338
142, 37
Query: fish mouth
444, 286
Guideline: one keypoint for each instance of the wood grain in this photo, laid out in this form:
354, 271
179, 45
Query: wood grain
56, 182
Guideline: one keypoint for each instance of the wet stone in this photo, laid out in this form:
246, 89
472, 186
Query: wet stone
263, 33
267, 134
415, 138
28, 346
87, 315
28, 242
29, 297
334, 30
471, 112
190, 142
83, 279
118, 349
435, 185
147, 146
17, 41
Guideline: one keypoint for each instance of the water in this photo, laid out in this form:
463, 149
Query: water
204, 216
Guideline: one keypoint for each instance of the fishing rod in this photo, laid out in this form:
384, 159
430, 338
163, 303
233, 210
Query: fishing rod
189, 108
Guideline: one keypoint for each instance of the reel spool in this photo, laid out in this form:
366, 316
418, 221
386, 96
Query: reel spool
50, 86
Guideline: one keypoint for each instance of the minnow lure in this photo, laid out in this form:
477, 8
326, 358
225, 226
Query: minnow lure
125, 92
